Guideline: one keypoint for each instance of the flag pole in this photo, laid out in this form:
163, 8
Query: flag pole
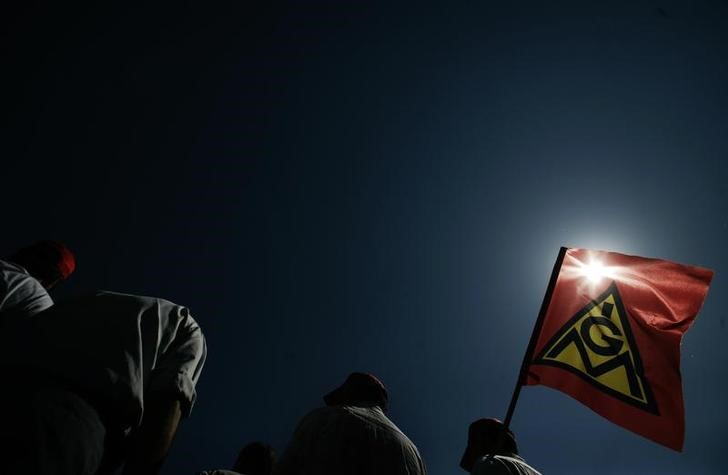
534, 338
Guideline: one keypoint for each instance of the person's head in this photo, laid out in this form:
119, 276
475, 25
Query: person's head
255, 458
359, 389
487, 436
50, 262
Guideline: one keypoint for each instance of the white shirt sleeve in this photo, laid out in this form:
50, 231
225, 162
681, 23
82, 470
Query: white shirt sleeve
181, 354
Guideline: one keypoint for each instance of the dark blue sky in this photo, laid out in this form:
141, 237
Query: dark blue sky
346, 186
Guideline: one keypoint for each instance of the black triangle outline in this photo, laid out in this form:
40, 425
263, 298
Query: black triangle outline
651, 404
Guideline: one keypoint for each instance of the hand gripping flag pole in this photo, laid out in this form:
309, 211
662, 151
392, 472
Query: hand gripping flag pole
608, 334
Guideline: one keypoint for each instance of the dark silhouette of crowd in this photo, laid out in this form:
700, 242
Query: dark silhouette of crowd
102, 381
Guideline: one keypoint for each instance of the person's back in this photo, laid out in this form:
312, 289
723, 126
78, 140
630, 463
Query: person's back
100, 371
349, 440
492, 450
352, 435
510, 464
255, 458
118, 348
220, 471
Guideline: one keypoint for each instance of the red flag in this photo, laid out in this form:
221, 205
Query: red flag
610, 337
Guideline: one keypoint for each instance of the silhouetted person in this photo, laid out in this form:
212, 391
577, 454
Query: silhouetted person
351, 435
28, 275
492, 450
255, 458
105, 380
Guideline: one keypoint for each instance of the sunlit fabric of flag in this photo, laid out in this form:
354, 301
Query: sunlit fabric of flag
610, 338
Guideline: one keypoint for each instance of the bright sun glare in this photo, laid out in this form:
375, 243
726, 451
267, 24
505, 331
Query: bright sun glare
594, 271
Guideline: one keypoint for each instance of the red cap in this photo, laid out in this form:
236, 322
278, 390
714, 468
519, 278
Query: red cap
66, 261
46, 260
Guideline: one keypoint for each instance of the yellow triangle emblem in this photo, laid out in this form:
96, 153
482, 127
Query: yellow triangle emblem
597, 345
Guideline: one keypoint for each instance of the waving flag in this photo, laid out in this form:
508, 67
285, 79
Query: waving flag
609, 336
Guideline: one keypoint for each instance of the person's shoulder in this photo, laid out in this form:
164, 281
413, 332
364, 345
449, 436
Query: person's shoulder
218, 472
13, 274
325, 412
11, 267
503, 465
21, 292
328, 418
374, 414
387, 430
